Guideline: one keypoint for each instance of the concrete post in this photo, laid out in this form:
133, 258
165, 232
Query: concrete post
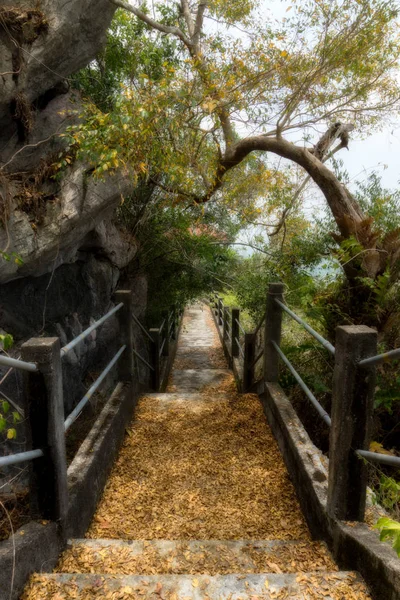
352, 407
273, 330
45, 413
155, 359
165, 333
235, 332
220, 311
225, 323
125, 363
248, 360
173, 323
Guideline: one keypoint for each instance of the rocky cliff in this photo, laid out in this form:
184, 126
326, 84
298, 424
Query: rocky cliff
62, 255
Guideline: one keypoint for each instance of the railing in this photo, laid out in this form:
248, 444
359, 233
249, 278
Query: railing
42, 365
353, 391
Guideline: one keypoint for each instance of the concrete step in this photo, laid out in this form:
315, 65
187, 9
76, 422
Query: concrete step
186, 397
212, 557
193, 380
329, 586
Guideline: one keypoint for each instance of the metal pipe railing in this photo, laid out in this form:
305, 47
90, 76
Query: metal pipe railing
321, 411
380, 358
134, 317
240, 326
14, 459
239, 347
261, 323
257, 358
162, 347
385, 459
17, 364
79, 407
307, 327
84, 334
144, 361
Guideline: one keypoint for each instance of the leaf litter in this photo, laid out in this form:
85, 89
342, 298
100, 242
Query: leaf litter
205, 470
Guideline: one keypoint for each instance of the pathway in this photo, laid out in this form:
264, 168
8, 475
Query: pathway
199, 504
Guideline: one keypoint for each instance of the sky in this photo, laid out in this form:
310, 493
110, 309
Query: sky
379, 152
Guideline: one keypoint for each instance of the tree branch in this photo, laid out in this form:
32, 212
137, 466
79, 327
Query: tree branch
338, 197
154, 24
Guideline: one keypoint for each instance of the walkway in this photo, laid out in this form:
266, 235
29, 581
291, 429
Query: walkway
199, 504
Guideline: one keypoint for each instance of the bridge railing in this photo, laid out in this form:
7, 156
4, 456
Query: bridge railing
41, 362
355, 356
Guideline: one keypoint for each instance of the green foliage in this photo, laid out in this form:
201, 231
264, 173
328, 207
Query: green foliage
7, 417
131, 51
389, 530
6, 341
8, 256
387, 492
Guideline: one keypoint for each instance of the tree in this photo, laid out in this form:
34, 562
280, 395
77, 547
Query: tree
210, 121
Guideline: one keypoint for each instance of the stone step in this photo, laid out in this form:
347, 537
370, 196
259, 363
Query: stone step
212, 557
186, 397
313, 586
193, 380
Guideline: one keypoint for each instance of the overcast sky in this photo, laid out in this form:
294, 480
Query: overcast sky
379, 152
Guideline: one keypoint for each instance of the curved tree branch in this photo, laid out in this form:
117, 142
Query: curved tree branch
154, 24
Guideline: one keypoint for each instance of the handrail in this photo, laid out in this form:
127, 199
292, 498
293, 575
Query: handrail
18, 364
134, 317
78, 408
240, 326
239, 347
144, 361
162, 347
65, 349
321, 411
385, 459
314, 333
14, 459
257, 329
161, 326
255, 361
380, 358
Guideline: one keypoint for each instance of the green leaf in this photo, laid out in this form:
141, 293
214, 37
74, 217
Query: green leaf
5, 406
389, 529
3, 423
16, 417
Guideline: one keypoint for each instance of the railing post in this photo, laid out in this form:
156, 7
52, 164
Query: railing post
155, 359
235, 331
173, 324
352, 408
216, 305
125, 363
220, 310
45, 412
248, 360
273, 329
165, 333
225, 323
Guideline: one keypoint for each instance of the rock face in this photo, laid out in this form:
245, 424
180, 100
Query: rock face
65, 251
43, 43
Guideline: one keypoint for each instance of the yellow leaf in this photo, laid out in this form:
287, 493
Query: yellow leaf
195, 583
266, 584
283, 53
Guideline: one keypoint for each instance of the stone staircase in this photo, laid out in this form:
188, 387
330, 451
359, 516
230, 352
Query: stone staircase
189, 450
